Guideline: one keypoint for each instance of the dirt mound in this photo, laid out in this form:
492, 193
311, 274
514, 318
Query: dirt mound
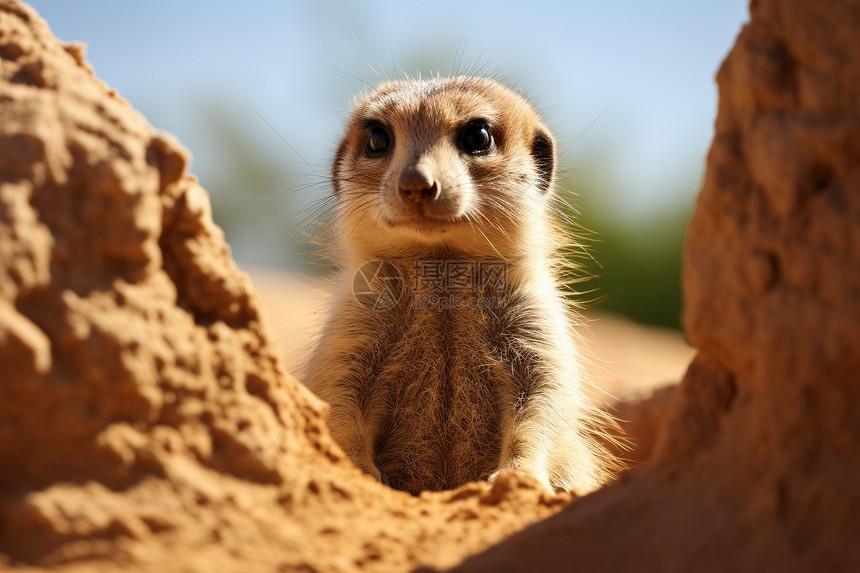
144, 411
757, 467
146, 421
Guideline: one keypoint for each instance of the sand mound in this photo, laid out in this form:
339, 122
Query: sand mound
757, 467
146, 420
144, 412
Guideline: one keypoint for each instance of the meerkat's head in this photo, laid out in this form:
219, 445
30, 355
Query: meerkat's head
462, 164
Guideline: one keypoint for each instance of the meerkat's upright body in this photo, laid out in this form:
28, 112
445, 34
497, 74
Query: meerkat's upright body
465, 363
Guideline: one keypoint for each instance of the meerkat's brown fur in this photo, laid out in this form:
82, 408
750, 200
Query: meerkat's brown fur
430, 396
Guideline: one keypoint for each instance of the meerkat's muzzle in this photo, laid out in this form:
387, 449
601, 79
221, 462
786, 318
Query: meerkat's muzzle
425, 195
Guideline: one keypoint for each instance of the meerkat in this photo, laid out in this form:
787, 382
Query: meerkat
449, 354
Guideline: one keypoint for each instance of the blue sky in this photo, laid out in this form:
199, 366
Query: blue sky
633, 80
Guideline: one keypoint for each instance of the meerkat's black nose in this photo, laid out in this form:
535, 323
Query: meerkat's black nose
417, 186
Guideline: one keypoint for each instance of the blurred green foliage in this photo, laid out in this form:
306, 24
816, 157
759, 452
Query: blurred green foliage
632, 266
250, 187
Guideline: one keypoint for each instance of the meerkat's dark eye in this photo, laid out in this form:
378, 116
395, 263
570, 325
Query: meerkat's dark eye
378, 140
476, 137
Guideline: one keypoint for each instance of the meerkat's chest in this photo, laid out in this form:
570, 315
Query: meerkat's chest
443, 379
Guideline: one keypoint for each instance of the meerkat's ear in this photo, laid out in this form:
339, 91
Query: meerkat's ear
543, 154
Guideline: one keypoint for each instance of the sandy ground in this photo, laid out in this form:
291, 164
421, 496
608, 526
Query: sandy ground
625, 358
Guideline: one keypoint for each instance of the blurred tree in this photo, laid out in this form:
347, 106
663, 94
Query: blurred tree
249, 185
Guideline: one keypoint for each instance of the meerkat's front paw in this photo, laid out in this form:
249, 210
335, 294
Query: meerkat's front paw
539, 475
370, 468
380, 476
363, 460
